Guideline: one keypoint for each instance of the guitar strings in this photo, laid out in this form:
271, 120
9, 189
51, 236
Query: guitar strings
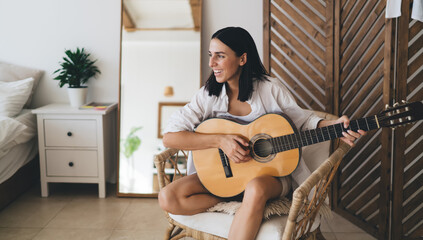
283, 145
287, 144
304, 140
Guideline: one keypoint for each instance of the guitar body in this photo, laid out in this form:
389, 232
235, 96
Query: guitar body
208, 162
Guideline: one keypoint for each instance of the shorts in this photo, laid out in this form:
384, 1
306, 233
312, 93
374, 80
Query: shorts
286, 185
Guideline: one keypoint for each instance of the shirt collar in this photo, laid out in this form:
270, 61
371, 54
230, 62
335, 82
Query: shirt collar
223, 94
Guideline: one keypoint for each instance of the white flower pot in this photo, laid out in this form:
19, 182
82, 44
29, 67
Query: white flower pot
77, 96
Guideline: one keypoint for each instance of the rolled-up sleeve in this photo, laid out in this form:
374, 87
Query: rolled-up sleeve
302, 119
189, 116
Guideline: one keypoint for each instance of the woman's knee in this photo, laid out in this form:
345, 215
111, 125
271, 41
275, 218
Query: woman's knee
262, 189
167, 199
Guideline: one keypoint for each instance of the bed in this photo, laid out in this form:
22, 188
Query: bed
19, 168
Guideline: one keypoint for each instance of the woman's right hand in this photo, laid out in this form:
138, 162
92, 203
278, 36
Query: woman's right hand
235, 147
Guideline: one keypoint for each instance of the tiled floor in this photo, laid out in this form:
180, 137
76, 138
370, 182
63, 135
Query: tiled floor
74, 212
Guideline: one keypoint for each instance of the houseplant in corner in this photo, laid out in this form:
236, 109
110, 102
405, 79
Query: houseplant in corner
129, 145
75, 71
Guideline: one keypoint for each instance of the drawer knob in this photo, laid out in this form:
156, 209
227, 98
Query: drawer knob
69, 134
70, 164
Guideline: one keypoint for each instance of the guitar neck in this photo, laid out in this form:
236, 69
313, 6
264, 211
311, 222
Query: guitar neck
309, 137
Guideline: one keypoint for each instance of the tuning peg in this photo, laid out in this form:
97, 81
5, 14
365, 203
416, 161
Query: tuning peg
396, 104
405, 102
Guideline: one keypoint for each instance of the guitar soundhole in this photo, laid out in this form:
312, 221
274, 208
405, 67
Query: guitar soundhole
262, 148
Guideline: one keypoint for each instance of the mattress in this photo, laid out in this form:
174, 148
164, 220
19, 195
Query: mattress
24, 147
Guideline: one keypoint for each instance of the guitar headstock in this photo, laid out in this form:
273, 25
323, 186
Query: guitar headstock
401, 114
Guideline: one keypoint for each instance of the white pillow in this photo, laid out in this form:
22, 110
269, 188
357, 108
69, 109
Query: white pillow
11, 72
13, 96
10, 129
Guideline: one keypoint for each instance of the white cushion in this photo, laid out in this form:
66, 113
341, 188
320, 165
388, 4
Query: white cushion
219, 224
10, 73
13, 96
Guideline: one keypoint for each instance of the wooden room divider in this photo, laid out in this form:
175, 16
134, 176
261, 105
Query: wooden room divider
344, 57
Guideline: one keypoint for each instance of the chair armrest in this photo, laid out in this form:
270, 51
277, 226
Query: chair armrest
160, 160
303, 212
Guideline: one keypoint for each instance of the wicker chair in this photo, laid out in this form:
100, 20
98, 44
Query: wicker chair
299, 224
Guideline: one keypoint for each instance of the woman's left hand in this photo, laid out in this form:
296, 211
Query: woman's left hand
349, 136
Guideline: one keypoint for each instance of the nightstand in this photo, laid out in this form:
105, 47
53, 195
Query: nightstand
76, 146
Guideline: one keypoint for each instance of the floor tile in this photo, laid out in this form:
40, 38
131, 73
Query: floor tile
324, 226
340, 224
143, 213
73, 234
35, 213
354, 236
18, 233
74, 211
89, 213
329, 236
35, 193
136, 235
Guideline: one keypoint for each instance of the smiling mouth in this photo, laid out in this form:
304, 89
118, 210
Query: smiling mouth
217, 71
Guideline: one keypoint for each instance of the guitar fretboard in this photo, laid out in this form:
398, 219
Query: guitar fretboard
309, 137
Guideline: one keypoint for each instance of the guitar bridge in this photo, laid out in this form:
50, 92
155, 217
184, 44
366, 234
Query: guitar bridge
225, 164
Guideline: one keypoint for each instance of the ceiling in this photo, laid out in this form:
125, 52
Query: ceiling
161, 15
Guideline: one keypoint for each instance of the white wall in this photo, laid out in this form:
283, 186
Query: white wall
35, 33
218, 14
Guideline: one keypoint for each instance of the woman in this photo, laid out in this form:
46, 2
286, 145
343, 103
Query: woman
238, 88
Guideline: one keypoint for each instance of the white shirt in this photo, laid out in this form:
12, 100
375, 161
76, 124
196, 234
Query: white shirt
268, 97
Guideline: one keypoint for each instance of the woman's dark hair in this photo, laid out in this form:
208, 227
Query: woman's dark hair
240, 41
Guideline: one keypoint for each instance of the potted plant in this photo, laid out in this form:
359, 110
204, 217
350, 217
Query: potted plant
128, 146
75, 71
131, 143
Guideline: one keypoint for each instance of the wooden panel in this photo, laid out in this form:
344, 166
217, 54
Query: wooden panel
301, 49
407, 212
361, 158
344, 57
362, 57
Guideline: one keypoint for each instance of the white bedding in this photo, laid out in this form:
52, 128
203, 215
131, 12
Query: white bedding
17, 157
29, 119
18, 144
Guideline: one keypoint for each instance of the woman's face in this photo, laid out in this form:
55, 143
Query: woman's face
224, 62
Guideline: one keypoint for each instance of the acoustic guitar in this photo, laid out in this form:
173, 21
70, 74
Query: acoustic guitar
275, 146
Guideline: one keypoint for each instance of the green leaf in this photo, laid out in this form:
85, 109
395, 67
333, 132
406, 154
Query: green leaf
131, 143
76, 68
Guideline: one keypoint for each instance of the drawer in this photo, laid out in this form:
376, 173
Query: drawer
70, 133
71, 163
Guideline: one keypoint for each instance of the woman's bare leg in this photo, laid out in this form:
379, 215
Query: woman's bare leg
186, 196
249, 216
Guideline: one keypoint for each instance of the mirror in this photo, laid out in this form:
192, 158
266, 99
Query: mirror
166, 109
160, 69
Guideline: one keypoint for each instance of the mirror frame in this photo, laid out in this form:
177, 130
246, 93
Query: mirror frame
162, 105
150, 195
